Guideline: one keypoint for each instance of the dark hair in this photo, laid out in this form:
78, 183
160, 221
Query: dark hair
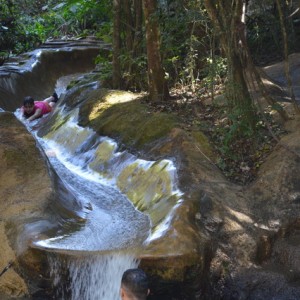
136, 281
28, 100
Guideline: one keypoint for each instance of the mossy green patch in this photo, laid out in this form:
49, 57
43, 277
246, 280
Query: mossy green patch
203, 143
115, 114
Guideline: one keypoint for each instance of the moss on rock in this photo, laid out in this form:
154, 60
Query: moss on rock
121, 115
203, 143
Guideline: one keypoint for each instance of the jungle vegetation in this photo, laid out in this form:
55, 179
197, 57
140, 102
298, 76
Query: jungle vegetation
186, 49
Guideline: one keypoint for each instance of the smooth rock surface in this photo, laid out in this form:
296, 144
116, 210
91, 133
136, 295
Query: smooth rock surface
25, 193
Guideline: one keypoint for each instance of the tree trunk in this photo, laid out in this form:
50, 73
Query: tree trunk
227, 20
138, 8
128, 25
158, 89
132, 14
116, 44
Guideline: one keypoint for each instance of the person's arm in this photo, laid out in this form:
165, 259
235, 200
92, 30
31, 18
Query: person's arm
36, 115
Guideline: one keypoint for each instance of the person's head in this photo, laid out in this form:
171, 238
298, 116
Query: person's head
28, 105
134, 285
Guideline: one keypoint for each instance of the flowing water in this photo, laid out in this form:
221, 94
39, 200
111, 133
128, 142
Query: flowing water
91, 277
99, 233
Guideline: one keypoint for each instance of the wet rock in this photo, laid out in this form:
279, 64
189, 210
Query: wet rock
35, 73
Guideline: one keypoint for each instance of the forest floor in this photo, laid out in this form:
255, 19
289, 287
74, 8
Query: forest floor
239, 155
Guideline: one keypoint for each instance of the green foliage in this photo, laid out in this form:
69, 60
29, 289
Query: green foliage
236, 128
239, 127
74, 18
103, 61
104, 32
24, 25
264, 32
136, 79
78, 16
18, 31
215, 69
184, 40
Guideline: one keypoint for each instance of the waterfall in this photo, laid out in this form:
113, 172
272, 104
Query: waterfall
88, 252
102, 194
96, 277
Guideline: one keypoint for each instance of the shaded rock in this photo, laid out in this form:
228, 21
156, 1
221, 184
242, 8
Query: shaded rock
35, 73
25, 189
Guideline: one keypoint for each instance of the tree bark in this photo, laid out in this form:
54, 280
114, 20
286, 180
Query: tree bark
128, 22
116, 77
132, 19
158, 88
226, 18
138, 8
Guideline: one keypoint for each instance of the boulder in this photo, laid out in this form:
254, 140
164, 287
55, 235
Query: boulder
25, 192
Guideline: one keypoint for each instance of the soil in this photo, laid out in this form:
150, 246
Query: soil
239, 155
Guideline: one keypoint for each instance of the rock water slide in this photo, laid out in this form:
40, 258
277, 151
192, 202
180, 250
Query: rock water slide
90, 221
218, 240
35, 73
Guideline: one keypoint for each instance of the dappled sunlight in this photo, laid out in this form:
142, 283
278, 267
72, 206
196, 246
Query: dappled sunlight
111, 98
120, 97
241, 217
96, 111
237, 220
231, 225
272, 225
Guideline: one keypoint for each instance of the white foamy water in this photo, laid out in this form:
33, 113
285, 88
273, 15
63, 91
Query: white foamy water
87, 254
109, 220
91, 278
85, 258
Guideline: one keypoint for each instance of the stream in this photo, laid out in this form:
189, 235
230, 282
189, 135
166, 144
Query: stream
100, 232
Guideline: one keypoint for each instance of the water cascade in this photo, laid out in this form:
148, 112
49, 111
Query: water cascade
102, 193
35, 73
90, 277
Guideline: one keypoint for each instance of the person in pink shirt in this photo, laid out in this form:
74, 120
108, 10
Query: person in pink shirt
35, 109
